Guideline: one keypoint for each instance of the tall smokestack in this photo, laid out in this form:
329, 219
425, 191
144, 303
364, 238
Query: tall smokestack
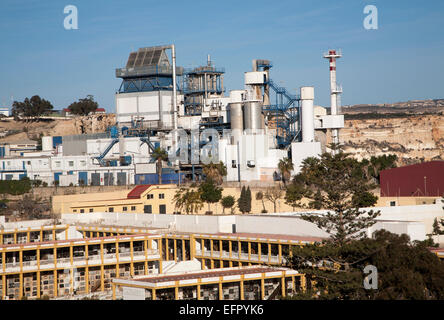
335, 89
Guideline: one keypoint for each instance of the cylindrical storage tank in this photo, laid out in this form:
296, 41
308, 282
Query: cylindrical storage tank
253, 118
236, 116
307, 97
47, 144
236, 120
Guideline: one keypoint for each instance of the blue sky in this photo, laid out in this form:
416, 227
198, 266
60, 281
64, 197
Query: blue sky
402, 60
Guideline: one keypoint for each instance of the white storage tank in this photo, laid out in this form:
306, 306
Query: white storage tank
307, 97
236, 116
253, 118
47, 144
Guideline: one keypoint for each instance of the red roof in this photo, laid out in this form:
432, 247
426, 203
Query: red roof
422, 179
100, 109
137, 191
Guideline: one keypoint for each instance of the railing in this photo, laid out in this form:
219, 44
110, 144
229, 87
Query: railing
109, 256
76, 259
124, 254
29, 263
63, 260
12, 265
45, 262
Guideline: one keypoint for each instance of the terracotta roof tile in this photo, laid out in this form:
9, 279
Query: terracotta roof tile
137, 191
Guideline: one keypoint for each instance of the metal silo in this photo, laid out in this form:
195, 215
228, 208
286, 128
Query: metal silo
236, 116
253, 118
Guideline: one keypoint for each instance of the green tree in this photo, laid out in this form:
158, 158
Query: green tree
248, 199
15, 187
84, 106
31, 109
159, 155
437, 226
210, 192
334, 181
188, 200
243, 202
406, 270
215, 172
228, 203
285, 167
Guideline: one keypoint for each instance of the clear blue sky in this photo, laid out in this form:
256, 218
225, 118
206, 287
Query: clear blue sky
402, 60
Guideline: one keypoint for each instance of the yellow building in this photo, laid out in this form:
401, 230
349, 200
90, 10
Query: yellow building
157, 199
154, 199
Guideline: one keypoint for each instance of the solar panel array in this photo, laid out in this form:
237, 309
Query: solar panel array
147, 57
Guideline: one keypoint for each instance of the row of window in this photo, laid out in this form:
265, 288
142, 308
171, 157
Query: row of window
110, 209
58, 164
151, 196
146, 209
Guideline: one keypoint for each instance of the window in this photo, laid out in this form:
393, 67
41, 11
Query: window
111, 209
82, 163
91, 210
71, 163
75, 210
57, 164
28, 163
392, 203
133, 208
150, 196
147, 209
82, 210
161, 195
125, 208
162, 209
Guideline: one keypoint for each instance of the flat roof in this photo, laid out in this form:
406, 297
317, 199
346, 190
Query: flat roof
206, 276
256, 236
31, 245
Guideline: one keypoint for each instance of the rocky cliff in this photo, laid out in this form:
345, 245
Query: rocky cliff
413, 138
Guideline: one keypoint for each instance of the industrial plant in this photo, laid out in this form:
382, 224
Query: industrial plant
188, 113
134, 244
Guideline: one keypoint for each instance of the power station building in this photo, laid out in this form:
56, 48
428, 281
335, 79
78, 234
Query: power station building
186, 113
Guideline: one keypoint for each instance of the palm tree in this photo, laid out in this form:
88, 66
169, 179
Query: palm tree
285, 167
215, 172
159, 155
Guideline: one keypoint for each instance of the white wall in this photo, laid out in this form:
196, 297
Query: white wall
303, 150
277, 225
415, 230
181, 223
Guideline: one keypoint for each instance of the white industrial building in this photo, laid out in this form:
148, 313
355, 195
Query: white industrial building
159, 103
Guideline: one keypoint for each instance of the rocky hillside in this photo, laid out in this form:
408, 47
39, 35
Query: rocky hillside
16, 131
431, 106
413, 138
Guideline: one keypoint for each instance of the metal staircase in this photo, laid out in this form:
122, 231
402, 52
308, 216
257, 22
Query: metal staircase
285, 113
